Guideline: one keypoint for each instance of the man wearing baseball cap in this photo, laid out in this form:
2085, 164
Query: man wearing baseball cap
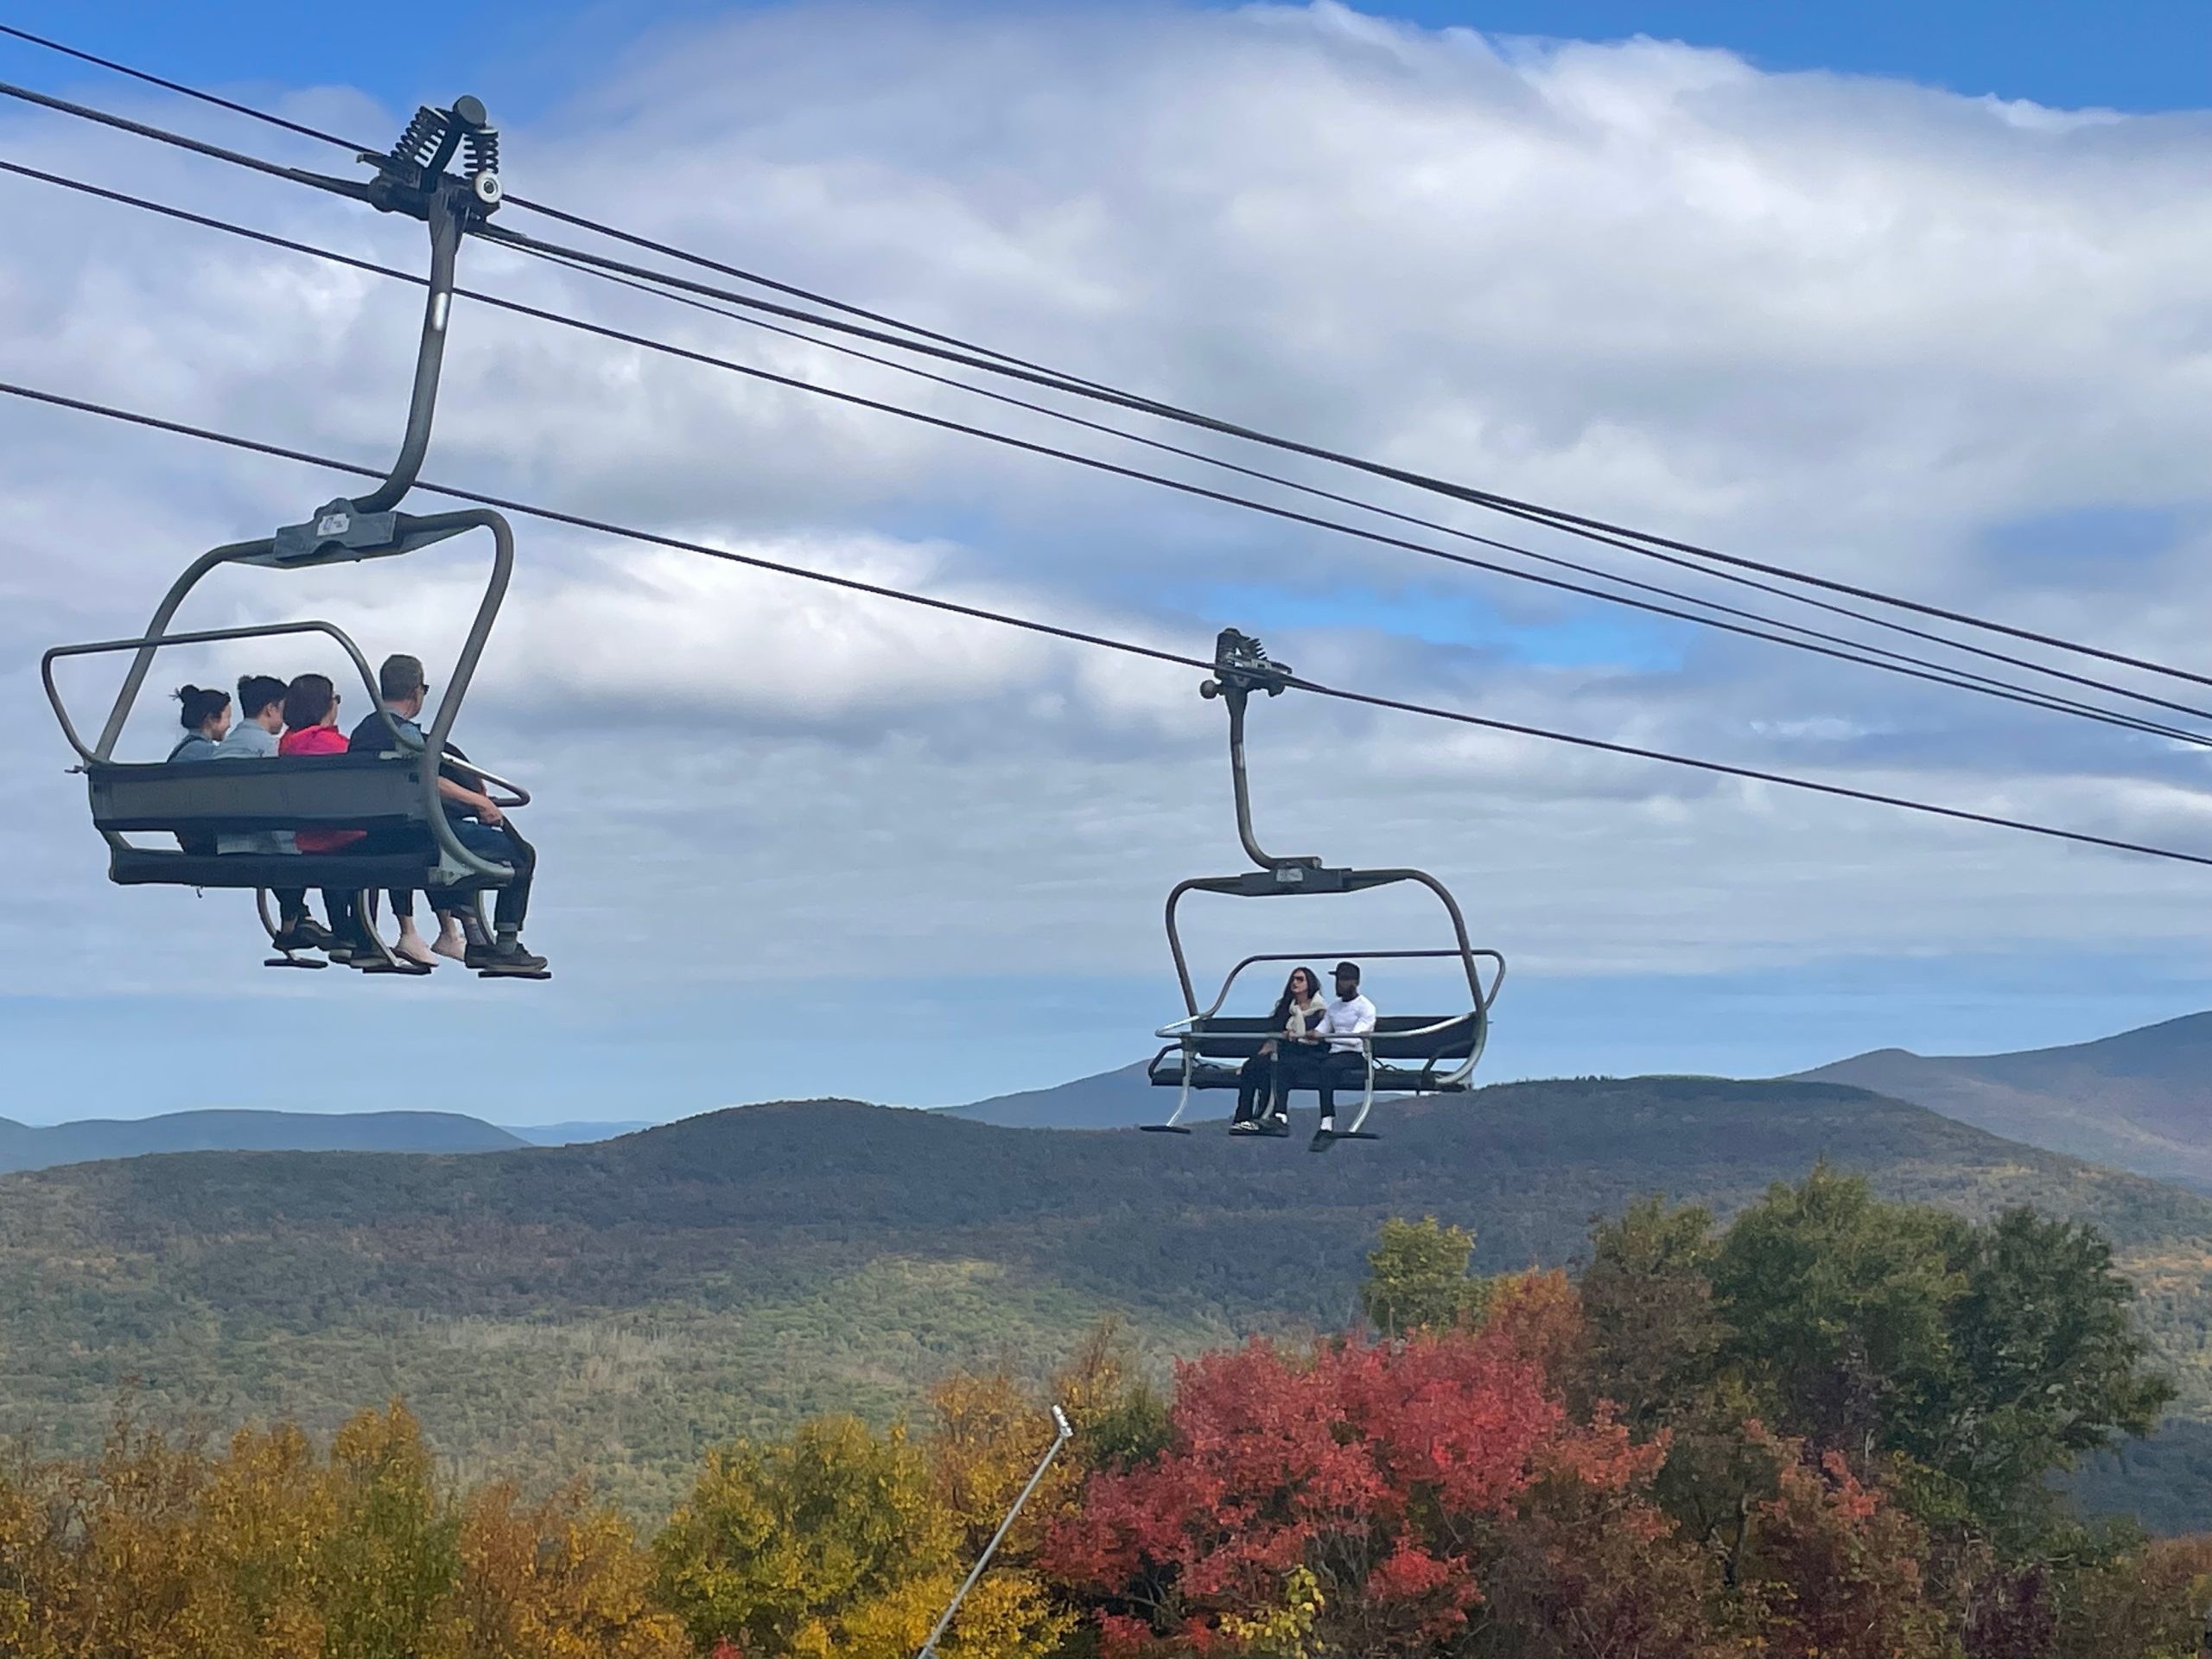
1349, 1018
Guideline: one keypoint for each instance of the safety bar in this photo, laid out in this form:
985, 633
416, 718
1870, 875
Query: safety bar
1369, 880
413, 531
1177, 1033
1482, 999
151, 643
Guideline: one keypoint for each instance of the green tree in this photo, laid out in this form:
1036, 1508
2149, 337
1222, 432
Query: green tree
1986, 1356
392, 1554
1656, 1336
1839, 1303
2047, 1364
1417, 1278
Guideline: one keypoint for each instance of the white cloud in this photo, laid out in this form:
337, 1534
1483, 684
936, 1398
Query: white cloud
1854, 324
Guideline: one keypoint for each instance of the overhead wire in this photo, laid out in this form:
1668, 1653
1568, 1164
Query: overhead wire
1966, 646
949, 347
1835, 648
301, 130
1101, 641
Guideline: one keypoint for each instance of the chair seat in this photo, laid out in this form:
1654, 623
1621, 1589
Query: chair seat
1166, 1072
139, 866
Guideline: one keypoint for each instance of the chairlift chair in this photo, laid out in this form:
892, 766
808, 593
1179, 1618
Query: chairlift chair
392, 793
1414, 1054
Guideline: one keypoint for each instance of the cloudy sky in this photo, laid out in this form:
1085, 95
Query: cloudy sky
1914, 309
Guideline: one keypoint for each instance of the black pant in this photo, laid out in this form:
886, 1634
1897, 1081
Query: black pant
1255, 1081
1298, 1065
502, 843
499, 842
1338, 1070
1324, 1070
291, 906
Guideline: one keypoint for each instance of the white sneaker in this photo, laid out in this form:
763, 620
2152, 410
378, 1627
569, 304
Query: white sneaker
1244, 1126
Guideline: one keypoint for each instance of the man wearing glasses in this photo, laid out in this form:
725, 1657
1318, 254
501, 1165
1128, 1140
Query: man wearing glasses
477, 820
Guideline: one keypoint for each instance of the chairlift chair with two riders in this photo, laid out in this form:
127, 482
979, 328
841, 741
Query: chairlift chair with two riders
392, 793
1413, 1054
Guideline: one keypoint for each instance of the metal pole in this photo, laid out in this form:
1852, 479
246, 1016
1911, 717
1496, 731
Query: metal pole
1059, 1440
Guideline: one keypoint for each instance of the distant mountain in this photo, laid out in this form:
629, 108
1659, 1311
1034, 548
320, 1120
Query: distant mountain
607, 1310
94, 1138
2141, 1101
573, 1134
1120, 1099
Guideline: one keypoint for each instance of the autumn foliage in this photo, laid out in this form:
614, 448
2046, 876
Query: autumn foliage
1826, 1432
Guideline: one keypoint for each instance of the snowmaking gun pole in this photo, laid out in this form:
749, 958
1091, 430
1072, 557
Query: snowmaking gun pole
1062, 1434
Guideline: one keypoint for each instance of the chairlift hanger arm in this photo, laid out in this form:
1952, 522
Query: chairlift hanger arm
410, 179
1241, 666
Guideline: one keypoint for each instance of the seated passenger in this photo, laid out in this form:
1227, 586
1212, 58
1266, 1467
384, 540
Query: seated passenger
1297, 1015
205, 717
311, 727
401, 689
476, 821
1344, 1065
260, 710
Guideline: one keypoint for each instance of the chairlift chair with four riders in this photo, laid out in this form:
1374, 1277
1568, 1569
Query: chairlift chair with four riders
392, 793
1414, 1054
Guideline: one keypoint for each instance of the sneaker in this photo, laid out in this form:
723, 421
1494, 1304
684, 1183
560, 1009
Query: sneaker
506, 957
1322, 1140
1244, 1126
306, 934
1275, 1124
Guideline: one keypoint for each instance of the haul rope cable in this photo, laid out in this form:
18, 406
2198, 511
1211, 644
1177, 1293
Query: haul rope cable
1597, 571
1590, 528
1947, 675
512, 200
1104, 642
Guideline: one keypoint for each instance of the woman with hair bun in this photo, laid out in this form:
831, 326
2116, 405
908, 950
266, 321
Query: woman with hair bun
205, 717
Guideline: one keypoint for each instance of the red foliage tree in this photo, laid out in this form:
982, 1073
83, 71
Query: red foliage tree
1358, 1502
1833, 1569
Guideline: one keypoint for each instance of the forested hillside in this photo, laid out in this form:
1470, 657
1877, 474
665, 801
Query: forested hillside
25, 1146
613, 1309
2136, 1101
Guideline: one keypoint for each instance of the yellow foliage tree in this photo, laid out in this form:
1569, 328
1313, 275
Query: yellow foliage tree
830, 1542
555, 1580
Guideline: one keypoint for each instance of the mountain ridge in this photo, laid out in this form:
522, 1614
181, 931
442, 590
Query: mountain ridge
613, 1308
2138, 1100
25, 1146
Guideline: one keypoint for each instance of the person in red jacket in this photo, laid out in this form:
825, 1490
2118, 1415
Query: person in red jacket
311, 727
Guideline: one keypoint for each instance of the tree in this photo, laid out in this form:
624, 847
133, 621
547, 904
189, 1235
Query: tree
560, 1579
1986, 1356
1358, 1501
1654, 1334
391, 1554
2048, 1365
1417, 1278
1831, 1569
2148, 1603
1839, 1305
831, 1543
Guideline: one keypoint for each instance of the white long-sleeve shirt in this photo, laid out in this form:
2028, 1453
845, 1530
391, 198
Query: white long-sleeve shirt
1347, 1018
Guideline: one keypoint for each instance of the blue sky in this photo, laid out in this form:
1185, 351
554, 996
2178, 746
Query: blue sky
2126, 54
1633, 957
